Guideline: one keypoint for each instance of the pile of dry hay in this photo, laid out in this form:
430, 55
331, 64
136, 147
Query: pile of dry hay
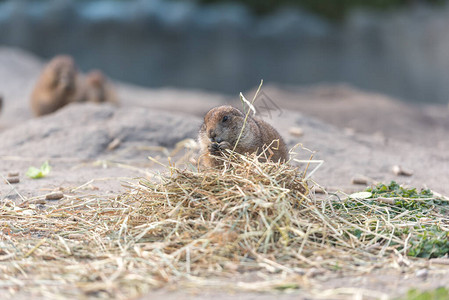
191, 226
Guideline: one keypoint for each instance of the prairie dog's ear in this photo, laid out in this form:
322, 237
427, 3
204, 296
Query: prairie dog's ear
241, 114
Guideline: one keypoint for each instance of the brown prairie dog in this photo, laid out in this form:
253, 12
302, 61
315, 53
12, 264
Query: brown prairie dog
221, 129
98, 90
55, 87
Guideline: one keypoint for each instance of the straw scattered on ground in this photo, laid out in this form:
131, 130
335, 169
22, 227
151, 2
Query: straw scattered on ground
258, 225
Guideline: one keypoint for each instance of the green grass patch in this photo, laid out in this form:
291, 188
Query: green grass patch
414, 220
436, 294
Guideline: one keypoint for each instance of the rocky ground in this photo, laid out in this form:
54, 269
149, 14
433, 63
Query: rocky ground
96, 148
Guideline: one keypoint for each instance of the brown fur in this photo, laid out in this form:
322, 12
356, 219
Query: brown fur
98, 89
56, 86
217, 134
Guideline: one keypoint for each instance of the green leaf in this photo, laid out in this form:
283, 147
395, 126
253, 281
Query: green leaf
36, 173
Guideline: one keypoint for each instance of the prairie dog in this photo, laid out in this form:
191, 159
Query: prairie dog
98, 90
1, 103
221, 129
56, 86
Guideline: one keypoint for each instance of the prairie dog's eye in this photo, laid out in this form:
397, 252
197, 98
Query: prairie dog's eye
225, 118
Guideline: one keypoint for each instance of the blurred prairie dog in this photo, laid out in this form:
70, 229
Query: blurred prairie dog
1, 103
60, 84
55, 87
97, 89
221, 129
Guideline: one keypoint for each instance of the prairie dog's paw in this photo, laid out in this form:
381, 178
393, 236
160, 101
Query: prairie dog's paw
224, 145
214, 148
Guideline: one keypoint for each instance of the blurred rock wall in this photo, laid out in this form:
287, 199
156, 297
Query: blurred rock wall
227, 49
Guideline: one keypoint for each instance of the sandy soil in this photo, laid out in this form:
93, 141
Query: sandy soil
355, 133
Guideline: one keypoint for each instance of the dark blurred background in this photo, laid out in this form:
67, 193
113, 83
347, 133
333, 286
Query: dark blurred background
397, 47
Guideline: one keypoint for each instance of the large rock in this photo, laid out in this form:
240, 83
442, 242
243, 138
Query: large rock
85, 130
